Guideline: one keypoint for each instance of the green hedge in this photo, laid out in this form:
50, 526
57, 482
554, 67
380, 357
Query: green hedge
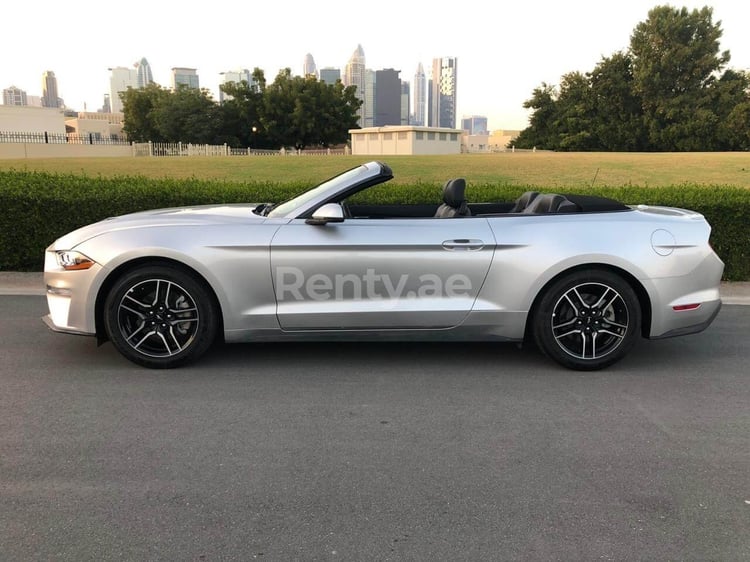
39, 207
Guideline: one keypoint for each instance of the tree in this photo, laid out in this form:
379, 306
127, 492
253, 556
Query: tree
618, 123
540, 131
575, 114
139, 106
241, 113
188, 115
667, 92
160, 115
731, 103
676, 59
292, 111
303, 111
277, 109
342, 105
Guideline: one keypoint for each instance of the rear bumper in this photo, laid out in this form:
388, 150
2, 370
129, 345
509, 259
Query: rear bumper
686, 304
691, 329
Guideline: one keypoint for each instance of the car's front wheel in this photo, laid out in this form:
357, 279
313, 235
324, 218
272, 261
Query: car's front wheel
160, 317
587, 320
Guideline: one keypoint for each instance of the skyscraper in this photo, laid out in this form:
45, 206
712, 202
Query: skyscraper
405, 102
429, 104
235, 76
330, 75
50, 98
420, 96
443, 98
185, 76
368, 109
387, 98
308, 66
14, 96
354, 75
475, 125
120, 79
144, 76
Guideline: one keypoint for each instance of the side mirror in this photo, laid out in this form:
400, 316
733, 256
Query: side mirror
330, 212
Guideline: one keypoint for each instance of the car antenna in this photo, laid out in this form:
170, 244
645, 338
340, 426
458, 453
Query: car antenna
595, 175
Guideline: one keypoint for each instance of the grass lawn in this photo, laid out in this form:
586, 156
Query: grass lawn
540, 169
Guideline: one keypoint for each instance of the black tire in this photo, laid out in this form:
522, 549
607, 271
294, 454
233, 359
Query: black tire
587, 320
160, 317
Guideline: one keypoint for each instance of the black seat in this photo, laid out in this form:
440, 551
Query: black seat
454, 201
523, 201
550, 203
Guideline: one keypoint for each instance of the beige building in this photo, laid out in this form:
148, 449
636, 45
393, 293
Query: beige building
40, 132
499, 139
393, 140
28, 119
475, 143
100, 125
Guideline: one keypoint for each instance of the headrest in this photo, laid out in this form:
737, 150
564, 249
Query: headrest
453, 192
523, 201
547, 203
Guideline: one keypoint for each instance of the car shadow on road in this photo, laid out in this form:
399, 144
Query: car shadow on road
334, 355
439, 357
690, 353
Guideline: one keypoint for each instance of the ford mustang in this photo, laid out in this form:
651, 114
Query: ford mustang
582, 277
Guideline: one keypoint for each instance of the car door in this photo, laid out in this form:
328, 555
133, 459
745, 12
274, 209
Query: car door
362, 274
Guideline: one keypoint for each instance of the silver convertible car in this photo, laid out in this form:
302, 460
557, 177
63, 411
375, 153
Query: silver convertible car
582, 277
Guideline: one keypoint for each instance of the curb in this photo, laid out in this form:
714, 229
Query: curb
14, 283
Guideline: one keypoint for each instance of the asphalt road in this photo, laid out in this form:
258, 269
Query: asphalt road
373, 451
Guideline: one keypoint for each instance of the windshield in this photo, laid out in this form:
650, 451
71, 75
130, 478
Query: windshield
332, 185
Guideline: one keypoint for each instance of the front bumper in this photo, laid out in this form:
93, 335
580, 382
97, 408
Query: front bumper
52, 326
71, 297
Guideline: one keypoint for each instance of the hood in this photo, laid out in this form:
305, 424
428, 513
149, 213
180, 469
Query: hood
202, 215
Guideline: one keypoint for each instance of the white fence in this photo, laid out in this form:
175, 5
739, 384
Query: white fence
14, 145
59, 138
188, 149
179, 149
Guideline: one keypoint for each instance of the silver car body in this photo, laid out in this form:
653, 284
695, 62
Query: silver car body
276, 276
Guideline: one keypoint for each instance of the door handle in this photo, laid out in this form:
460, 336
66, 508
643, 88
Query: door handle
465, 244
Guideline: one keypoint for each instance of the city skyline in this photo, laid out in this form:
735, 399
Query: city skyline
504, 51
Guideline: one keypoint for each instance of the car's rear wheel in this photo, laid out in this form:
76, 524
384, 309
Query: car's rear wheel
587, 320
160, 317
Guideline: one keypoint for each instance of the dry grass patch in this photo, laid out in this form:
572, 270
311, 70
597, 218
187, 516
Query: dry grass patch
541, 169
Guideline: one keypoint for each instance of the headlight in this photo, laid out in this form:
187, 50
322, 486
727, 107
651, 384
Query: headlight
73, 261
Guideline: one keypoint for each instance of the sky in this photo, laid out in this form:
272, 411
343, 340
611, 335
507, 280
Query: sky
505, 49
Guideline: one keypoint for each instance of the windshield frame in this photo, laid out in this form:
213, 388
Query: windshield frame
332, 190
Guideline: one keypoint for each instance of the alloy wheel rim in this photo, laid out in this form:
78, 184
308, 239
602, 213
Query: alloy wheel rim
158, 318
590, 321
